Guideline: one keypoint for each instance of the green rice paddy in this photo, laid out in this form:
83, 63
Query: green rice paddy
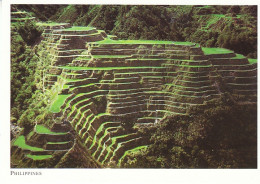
20, 142
79, 28
110, 56
252, 61
43, 130
109, 41
55, 107
108, 68
209, 51
65, 86
136, 149
238, 56
49, 24
39, 157
58, 142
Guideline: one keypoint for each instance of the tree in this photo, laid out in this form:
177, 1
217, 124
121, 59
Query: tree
222, 133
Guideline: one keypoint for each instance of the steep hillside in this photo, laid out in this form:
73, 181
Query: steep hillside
212, 26
99, 99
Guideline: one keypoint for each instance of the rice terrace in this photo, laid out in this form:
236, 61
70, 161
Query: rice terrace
120, 86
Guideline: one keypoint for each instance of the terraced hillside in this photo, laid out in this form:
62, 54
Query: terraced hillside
20, 16
110, 90
42, 145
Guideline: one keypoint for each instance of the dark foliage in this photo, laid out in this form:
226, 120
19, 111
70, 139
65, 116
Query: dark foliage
29, 32
236, 29
42, 12
23, 67
221, 134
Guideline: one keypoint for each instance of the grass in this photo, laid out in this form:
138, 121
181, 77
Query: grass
190, 66
106, 68
219, 15
30, 135
204, 7
65, 87
58, 142
251, 61
82, 86
43, 130
20, 142
136, 149
49, 24
39, 157
102, 114
25, 18
149, 59
79, 28
110, 56
109, 41
238, 56
209, 51
55, 107
101, 127
19, 12
183, 43
214, 18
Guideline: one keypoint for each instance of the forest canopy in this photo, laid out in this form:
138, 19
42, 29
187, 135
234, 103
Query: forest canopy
231, 27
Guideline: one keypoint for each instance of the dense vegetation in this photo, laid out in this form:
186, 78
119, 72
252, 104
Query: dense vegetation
232, 27
27, 98
23, 68
222, 134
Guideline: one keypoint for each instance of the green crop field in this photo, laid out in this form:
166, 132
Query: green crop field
55, 107
20, 142
106, 68
39, 157
49, 24
238, 56
109, 41
79, 28
58, 142
43, 130
252, 61
209, 51
110, 56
